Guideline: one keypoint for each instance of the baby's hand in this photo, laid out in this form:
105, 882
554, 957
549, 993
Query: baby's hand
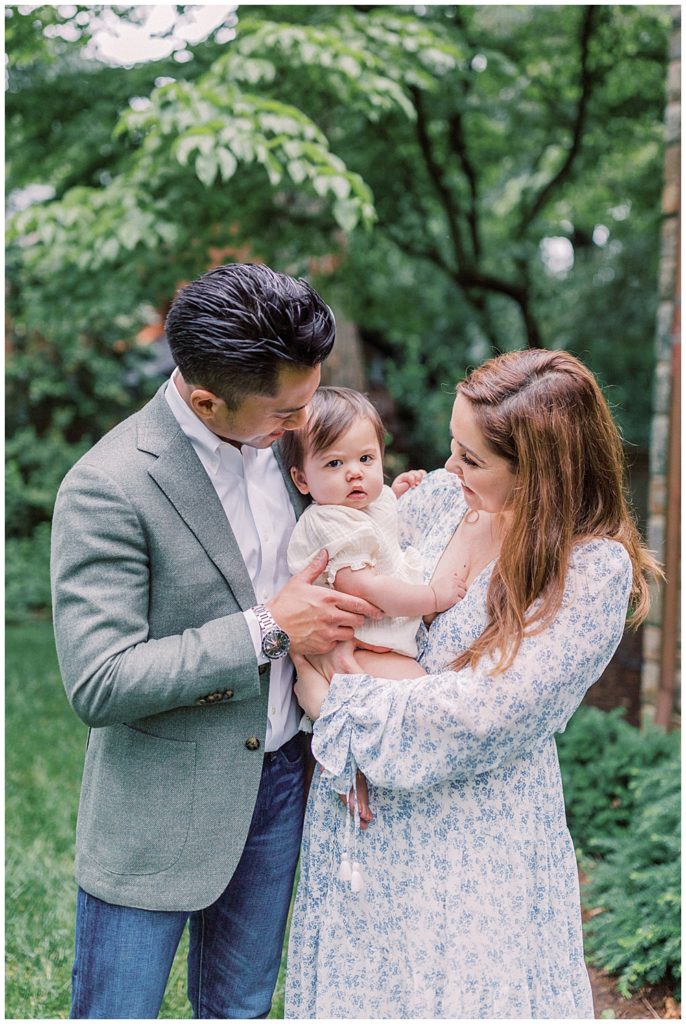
405, 481
448, 590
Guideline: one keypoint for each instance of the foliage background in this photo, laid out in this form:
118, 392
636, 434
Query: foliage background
456, 181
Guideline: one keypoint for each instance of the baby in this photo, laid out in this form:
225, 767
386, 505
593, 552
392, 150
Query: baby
337, 458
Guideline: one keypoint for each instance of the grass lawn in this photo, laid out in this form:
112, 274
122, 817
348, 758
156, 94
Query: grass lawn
45, 743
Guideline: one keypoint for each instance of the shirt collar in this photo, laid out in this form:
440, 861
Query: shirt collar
211, 450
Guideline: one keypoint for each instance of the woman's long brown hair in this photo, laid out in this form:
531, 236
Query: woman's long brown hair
545, 413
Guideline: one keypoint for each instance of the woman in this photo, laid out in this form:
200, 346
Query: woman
470, 905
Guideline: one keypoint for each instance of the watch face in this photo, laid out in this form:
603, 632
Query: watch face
276, 644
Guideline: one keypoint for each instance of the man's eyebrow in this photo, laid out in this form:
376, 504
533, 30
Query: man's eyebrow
285, 412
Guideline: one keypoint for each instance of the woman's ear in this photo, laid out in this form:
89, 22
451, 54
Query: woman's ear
298, 478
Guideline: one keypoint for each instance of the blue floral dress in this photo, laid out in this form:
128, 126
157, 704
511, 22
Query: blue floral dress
471, 902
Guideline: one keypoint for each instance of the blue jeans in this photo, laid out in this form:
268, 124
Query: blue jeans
124, 955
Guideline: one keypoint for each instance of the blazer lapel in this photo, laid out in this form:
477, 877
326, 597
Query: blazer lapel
180, 474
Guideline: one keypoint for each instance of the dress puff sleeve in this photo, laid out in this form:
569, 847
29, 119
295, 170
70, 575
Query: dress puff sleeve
416, 733
348, 534
419, 506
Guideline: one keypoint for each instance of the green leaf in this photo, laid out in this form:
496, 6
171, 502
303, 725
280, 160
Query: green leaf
297, 171
347, 213
243, 148
110, 249
340, 186
129, 234
321, 184
185, 146
167, 232
227, 163
206, 168
273, 168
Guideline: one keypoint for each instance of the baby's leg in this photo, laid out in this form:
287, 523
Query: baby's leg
389, 665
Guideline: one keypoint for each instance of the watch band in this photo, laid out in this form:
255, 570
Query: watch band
266, 620
275, 641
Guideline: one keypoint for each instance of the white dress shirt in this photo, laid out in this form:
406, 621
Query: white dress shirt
251, 488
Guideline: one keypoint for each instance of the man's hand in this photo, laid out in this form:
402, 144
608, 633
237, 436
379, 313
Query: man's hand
317, 618
405, 481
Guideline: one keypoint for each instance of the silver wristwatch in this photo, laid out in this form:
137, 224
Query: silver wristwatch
275, 642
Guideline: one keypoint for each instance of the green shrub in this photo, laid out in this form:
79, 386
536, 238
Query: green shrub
27, 574
637, 934
601, 756
622, 791
61, 397
34, 468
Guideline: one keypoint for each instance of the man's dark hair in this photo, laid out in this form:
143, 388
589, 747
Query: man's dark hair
232, 330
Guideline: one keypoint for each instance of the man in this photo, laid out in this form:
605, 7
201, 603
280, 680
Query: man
174, 615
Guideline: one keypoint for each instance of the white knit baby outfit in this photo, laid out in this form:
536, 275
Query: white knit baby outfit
355, 539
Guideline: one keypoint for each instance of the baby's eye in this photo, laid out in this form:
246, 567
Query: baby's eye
366, 458
333, 464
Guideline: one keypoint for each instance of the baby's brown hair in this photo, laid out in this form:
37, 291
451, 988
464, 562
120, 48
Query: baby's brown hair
332, 412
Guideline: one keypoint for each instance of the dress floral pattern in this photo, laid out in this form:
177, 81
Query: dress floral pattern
471, 902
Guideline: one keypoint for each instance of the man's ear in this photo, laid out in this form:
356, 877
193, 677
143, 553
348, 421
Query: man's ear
204, 403
298, 478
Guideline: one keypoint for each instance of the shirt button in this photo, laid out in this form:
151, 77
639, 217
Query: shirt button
252, 743
272, 711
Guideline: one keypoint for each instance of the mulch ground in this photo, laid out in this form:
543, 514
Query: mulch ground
654, 1001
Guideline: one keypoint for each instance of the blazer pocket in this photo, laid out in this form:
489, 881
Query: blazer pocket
137, 800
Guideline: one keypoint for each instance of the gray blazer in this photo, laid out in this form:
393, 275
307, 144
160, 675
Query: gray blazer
156, 657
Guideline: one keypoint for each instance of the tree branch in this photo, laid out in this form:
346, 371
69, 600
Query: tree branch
430, 254
434, 172
403, 173
490, 283
586, 83
459, 148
